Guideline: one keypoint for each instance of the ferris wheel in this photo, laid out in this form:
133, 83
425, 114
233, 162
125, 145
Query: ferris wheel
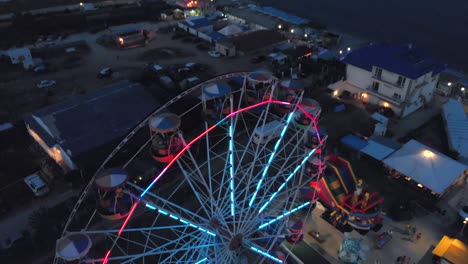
229, 161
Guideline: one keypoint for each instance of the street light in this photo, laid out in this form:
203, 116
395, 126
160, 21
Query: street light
349, 49
462, 89
292, 30
464, 224
305, 35
341, 52
279, 26
449, 84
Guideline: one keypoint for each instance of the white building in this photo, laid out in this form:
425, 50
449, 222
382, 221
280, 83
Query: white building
21, 55
398, 76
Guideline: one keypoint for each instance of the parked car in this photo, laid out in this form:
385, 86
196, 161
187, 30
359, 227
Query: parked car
46, 84
37, 185
40, 69
214, 54
166, 82
106, 72
189, 82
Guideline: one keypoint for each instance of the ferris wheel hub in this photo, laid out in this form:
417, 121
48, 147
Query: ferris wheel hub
235, 242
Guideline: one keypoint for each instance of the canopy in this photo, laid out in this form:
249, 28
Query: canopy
261, 76
73, 246
215, 90
376, 147
291, 85
425, 166
163, 123
111, 179
451, 249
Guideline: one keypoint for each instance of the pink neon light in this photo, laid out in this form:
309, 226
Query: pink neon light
186, 147
313, 119
106, 258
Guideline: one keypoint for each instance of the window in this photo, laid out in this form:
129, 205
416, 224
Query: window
396, 96
375, 86
401, 81
378, 72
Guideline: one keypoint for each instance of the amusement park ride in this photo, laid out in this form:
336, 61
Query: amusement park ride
234, 190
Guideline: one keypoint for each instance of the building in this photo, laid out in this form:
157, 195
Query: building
81, 132
451, 250
456, 127
249, 42
252, 18
452, 82
21, 56
130, 38
196, 25
398, 76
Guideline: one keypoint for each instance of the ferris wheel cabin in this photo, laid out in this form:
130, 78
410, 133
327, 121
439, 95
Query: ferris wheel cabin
216, 101
166, 142
114, 202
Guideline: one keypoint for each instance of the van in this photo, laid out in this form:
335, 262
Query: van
37, 185
267, 132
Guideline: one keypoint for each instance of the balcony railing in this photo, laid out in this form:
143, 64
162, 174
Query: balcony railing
380, 79
391, 99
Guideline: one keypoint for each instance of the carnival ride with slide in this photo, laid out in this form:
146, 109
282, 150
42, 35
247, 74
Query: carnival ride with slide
225, 193
346, 196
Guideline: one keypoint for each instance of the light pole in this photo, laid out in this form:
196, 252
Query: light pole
464, 224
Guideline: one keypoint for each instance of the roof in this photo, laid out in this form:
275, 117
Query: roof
197, 22
253, 17
92, 120
233, 29
256, 40
281, 15
405, 60
456, 125
451, 249
216, 36
425, 166
19, 52
379, 118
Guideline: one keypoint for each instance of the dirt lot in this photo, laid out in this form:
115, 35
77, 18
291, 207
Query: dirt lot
77, 73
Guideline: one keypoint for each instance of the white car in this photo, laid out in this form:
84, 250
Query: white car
37, 185
46, 83
214, 54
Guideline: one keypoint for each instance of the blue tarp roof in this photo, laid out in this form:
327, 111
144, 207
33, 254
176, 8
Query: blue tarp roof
354, 142
198, 22
216, 36
401, 59
89, 121
281, 15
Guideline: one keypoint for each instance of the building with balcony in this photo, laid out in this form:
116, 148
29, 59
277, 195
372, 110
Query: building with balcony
401, 77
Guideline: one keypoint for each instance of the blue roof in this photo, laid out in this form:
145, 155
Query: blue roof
87, 122
281, 15
400, 59
354, 142
216, 36
197, 22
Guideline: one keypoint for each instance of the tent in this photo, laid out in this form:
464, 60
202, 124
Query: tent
426, 166
376, 147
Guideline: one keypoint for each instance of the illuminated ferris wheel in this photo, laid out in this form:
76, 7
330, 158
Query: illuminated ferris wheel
229, 160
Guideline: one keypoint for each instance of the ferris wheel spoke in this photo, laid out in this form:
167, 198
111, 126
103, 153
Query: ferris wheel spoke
262, 252
293, 173
187, 255
166, 205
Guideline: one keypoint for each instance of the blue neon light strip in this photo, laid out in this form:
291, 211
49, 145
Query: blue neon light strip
201, 261
261, 252
272, 156
231, 167
283, 215
288, 179
183, 221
